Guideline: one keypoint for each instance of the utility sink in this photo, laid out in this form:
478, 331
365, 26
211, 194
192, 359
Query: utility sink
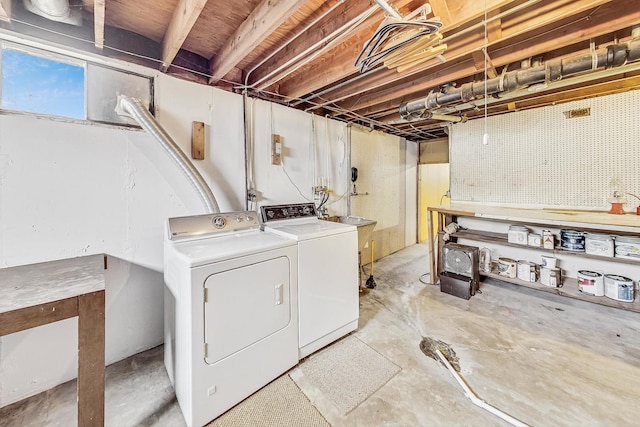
365, 227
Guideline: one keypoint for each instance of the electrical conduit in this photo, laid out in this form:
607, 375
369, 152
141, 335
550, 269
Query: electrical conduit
134, 108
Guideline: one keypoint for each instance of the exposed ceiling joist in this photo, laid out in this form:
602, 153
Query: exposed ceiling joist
184, 17
440, 8
346, 12
5, 10
98, 23
546, 42
418, 80
482, 60
339, 63
264, 19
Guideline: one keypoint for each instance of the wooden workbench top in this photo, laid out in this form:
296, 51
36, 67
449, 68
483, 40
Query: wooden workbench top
34, 284
561, 217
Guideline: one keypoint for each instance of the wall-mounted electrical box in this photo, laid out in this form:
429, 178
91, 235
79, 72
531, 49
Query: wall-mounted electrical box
276, 149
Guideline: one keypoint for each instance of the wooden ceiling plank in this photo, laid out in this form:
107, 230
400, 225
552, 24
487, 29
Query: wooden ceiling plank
441, 9
463, 11
328, 29
302, 83
263, 21
98, 23
184, 17
499, 58
5, 10
481, 60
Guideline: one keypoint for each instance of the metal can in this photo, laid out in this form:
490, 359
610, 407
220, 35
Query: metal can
548, 239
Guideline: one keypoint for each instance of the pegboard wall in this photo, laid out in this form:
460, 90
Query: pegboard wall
540, 157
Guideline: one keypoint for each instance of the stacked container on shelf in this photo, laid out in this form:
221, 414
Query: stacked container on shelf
596, 283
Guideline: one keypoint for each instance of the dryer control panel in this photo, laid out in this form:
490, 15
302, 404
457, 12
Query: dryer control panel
198, 226
293, 211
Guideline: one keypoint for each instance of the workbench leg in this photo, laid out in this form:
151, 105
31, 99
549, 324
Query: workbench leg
91, 359
432, 259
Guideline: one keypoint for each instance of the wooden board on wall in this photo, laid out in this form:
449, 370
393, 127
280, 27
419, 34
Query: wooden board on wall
434, 151
197, 141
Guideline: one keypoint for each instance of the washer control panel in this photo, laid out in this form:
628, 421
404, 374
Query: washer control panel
293, 211
198, 226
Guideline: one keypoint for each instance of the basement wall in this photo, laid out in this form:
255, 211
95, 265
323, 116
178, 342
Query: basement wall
69, 189
387, 188
314, 152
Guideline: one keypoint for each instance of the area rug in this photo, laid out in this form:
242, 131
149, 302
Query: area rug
280, 403
348, 372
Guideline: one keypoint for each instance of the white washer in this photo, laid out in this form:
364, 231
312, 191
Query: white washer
327, 272
231, 310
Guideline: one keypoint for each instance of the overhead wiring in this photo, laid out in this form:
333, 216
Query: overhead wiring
401, 38
352, 117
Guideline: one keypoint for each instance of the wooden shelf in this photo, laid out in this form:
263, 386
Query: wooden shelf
501, 238
569, 289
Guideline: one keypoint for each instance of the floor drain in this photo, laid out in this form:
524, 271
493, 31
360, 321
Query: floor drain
429, 346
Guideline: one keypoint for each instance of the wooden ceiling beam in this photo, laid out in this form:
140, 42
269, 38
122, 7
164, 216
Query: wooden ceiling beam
263, 21
602, 21
338, 63
184, 17
5, 10
440, 9
304, 83
98, 23
482, 60
329, 25
330, 32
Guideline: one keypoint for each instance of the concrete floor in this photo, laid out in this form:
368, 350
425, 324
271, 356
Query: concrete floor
543, 359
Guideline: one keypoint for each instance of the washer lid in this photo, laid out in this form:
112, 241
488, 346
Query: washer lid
309, 230
221, 248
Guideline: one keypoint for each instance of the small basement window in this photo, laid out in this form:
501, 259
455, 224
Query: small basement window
36, 84
43, 83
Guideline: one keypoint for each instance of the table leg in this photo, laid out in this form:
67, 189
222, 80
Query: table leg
91, 359
432, 260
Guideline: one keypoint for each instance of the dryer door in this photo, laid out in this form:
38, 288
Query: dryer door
245, 305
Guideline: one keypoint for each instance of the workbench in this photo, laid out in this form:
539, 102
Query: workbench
38, 294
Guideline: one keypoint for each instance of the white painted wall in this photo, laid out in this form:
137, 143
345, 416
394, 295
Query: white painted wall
72, 189
383, 173
411, 188
314, 152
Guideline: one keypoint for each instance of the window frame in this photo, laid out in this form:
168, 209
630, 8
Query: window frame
75, 61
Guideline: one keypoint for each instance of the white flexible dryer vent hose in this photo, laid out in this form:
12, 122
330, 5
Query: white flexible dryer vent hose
132, 107
475, 399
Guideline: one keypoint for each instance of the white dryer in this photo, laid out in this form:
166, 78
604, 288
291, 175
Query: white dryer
327, 272
231, 310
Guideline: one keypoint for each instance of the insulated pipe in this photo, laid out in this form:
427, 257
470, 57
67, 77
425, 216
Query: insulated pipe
54, 10
134, 108
611, 56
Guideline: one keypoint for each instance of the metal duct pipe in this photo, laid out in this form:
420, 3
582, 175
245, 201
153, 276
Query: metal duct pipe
54, 10
134, 108
554, 70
